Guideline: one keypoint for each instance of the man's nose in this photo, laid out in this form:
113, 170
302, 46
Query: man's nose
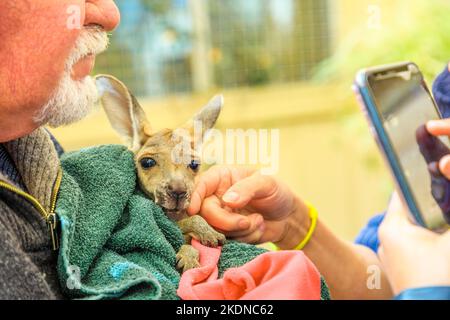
103, 13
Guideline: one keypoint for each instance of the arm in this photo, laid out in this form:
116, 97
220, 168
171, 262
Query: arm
344, 265
425, 293
254, 208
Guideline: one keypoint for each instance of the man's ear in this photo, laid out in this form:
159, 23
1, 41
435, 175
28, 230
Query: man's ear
205, 119
124, 112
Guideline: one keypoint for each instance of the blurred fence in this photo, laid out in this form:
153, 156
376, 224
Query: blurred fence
170, 46
327, 155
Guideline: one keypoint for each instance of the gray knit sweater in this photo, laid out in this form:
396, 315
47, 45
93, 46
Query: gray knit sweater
27, 262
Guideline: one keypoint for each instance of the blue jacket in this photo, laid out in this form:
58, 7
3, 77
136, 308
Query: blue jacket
368, 236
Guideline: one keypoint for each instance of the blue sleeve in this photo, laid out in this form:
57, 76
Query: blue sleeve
425, 293
368, 236
441, 92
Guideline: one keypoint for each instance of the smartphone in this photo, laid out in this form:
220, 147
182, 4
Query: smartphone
398, 104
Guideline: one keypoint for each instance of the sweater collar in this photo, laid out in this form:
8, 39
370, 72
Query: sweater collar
36, 161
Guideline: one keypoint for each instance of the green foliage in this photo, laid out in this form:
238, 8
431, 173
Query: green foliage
157, 6
421, 34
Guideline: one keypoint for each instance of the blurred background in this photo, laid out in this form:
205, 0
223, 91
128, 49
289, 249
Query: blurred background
281, 64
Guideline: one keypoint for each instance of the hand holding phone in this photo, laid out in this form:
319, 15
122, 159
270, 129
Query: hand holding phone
411, 256
398, 104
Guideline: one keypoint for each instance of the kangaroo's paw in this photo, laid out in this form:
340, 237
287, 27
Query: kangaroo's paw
197, 228
187, 258
209, 237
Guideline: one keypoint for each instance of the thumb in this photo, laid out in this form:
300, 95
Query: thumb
256, 186
439, 127
397, 213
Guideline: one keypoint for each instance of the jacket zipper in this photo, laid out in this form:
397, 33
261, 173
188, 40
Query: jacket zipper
50, 217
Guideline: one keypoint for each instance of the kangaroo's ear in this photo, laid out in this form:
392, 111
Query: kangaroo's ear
205, 119
123, 111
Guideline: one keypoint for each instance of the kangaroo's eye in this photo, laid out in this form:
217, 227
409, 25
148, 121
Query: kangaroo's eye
148, 163
194, 165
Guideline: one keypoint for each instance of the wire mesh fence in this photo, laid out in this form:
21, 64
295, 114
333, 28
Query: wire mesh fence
164, 47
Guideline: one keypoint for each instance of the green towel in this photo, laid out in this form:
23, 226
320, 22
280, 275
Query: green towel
115, 242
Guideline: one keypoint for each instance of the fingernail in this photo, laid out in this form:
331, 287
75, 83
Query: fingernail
445, 163
244, 224
230, 196
432, 124
262, 228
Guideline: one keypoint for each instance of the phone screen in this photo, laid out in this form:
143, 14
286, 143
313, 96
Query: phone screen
405, 105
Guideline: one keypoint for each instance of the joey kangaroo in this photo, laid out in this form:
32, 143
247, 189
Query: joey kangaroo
168, 181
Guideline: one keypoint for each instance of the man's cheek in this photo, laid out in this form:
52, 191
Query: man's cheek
63, 22
42, 47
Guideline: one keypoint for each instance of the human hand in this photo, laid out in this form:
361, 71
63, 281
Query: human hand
441, 128
412, 256
249, 207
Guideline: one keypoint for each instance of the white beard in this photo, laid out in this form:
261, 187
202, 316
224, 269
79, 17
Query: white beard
73, 100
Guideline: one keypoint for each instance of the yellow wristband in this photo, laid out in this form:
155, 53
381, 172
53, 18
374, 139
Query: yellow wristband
313, 214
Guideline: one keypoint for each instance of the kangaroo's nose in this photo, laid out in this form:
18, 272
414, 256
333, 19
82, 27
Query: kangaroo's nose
177, 190
177, 195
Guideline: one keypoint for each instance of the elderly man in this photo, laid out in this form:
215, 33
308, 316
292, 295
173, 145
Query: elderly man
47, 51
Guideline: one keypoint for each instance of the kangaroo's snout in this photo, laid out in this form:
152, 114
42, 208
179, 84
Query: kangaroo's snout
177, 195
174, 194
177, 190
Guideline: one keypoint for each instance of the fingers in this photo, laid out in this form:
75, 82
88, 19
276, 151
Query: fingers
439, 127
223, 219
396, 211
253, 237
392, 224
216, 181
207, 184
255, 219
397, 224
399, 229
254, 187
395, 216
444, 166
267, 231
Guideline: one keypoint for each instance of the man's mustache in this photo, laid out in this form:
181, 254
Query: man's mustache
91, 41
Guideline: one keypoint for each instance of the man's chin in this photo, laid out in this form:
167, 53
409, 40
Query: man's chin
72, 101
57, 122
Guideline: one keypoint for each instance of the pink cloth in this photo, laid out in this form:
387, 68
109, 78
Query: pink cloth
280, 275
